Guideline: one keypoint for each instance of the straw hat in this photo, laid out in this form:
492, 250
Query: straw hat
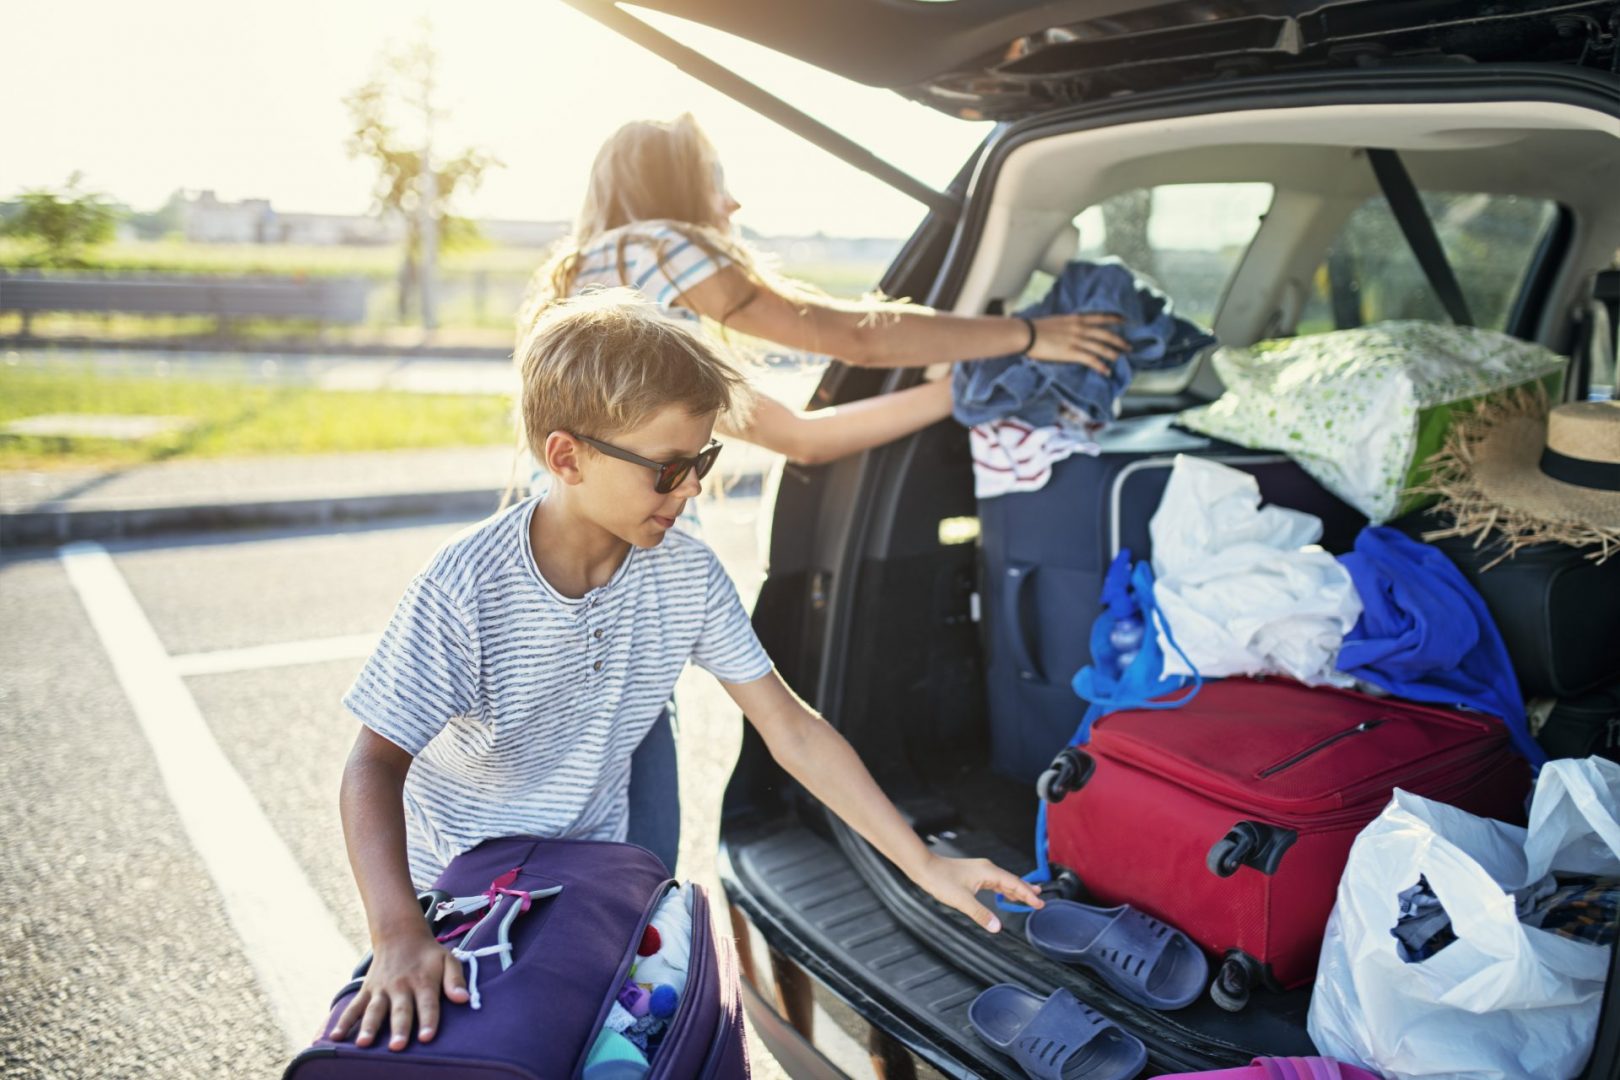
1532, 475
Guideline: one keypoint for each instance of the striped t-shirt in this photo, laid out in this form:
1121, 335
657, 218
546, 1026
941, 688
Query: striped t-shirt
658, 261
522, 706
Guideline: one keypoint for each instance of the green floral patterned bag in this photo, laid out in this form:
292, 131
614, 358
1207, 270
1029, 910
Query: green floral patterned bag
1362, 410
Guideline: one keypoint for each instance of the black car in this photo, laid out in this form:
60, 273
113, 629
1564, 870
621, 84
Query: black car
1506, 116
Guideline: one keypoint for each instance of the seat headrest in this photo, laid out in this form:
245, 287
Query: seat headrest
1061, 251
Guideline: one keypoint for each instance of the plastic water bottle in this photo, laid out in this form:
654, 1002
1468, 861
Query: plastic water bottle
1126, 634
1125, 638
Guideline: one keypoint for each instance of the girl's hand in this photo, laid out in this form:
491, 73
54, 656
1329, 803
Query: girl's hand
1079, 339
405, 979
954, 883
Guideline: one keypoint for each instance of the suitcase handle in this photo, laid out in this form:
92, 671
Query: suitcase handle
1012, 612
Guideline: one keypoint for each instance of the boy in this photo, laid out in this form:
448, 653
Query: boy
529, 658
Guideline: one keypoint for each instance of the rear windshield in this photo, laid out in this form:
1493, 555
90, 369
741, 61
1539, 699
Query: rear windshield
1185, 238
1369, 273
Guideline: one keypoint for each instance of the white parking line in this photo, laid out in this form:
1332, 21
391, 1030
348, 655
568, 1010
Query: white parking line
282, 654
287, 932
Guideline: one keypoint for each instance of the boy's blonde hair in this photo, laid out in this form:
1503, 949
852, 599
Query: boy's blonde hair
606, 361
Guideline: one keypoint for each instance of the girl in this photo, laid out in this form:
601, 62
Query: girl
657, 218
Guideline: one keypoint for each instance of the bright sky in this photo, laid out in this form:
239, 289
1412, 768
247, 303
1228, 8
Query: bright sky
246, 99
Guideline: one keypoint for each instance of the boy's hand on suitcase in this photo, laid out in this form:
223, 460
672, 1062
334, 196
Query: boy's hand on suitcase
956, 883
405, 979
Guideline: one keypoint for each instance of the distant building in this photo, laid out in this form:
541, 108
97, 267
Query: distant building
334, 229
535, 234
206, 219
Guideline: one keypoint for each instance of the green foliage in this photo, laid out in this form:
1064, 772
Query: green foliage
393, 114
166, 221
238, 418
60, 226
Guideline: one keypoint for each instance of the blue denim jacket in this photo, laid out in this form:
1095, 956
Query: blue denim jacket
1035, 391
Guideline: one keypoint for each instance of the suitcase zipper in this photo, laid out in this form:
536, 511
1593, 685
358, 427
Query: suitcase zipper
696, 970
1146, 760
623, 972
1365, 725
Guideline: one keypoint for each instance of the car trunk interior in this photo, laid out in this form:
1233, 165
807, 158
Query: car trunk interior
902, 673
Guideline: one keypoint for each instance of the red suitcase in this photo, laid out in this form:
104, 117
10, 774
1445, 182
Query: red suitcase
1232, 817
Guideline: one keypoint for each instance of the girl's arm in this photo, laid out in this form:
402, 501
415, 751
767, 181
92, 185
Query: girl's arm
812, 437
896, 335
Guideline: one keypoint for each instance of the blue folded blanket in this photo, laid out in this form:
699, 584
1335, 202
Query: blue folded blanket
1425, 634
1036, 391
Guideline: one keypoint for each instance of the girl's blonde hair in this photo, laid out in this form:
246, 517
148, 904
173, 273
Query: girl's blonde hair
649, 172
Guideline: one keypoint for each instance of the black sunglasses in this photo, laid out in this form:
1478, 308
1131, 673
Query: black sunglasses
670, 473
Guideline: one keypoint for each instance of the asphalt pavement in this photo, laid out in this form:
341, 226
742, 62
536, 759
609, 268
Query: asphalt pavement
179, 900
176, 640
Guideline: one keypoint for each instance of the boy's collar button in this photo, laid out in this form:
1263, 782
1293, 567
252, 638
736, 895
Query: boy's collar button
597, 635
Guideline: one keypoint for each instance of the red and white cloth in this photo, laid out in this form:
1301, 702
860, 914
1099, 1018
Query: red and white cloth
1010, 455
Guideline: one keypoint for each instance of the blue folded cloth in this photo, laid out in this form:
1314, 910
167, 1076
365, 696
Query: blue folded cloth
1425, 634
1036, 391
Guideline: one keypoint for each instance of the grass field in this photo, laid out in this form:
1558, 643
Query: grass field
234, 419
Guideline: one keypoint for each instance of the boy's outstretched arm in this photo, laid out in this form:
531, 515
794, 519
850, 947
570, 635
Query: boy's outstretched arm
819, 758
408, 968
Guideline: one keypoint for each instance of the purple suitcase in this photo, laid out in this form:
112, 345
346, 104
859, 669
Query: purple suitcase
571, 951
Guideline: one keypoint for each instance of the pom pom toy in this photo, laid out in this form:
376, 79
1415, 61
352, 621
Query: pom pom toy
664, 999
671, 933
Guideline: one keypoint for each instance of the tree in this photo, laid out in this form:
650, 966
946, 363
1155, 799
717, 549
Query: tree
1125, 228
394, 115
65, 223
163, 222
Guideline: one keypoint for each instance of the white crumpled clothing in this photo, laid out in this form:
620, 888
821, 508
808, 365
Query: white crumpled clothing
1245, 589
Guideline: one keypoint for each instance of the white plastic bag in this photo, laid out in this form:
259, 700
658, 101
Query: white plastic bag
1243, 587
1505, 1000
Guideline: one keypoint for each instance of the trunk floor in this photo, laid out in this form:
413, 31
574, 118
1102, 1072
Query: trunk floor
810, 885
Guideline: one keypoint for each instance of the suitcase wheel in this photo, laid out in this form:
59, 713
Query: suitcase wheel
1249, 843
1235, 982
1065, 885
1068, 773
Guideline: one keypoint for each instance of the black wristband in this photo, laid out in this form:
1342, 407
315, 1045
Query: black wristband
1029, 345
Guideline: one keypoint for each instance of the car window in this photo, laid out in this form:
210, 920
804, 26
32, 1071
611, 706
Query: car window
1185, 238
1369, 273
